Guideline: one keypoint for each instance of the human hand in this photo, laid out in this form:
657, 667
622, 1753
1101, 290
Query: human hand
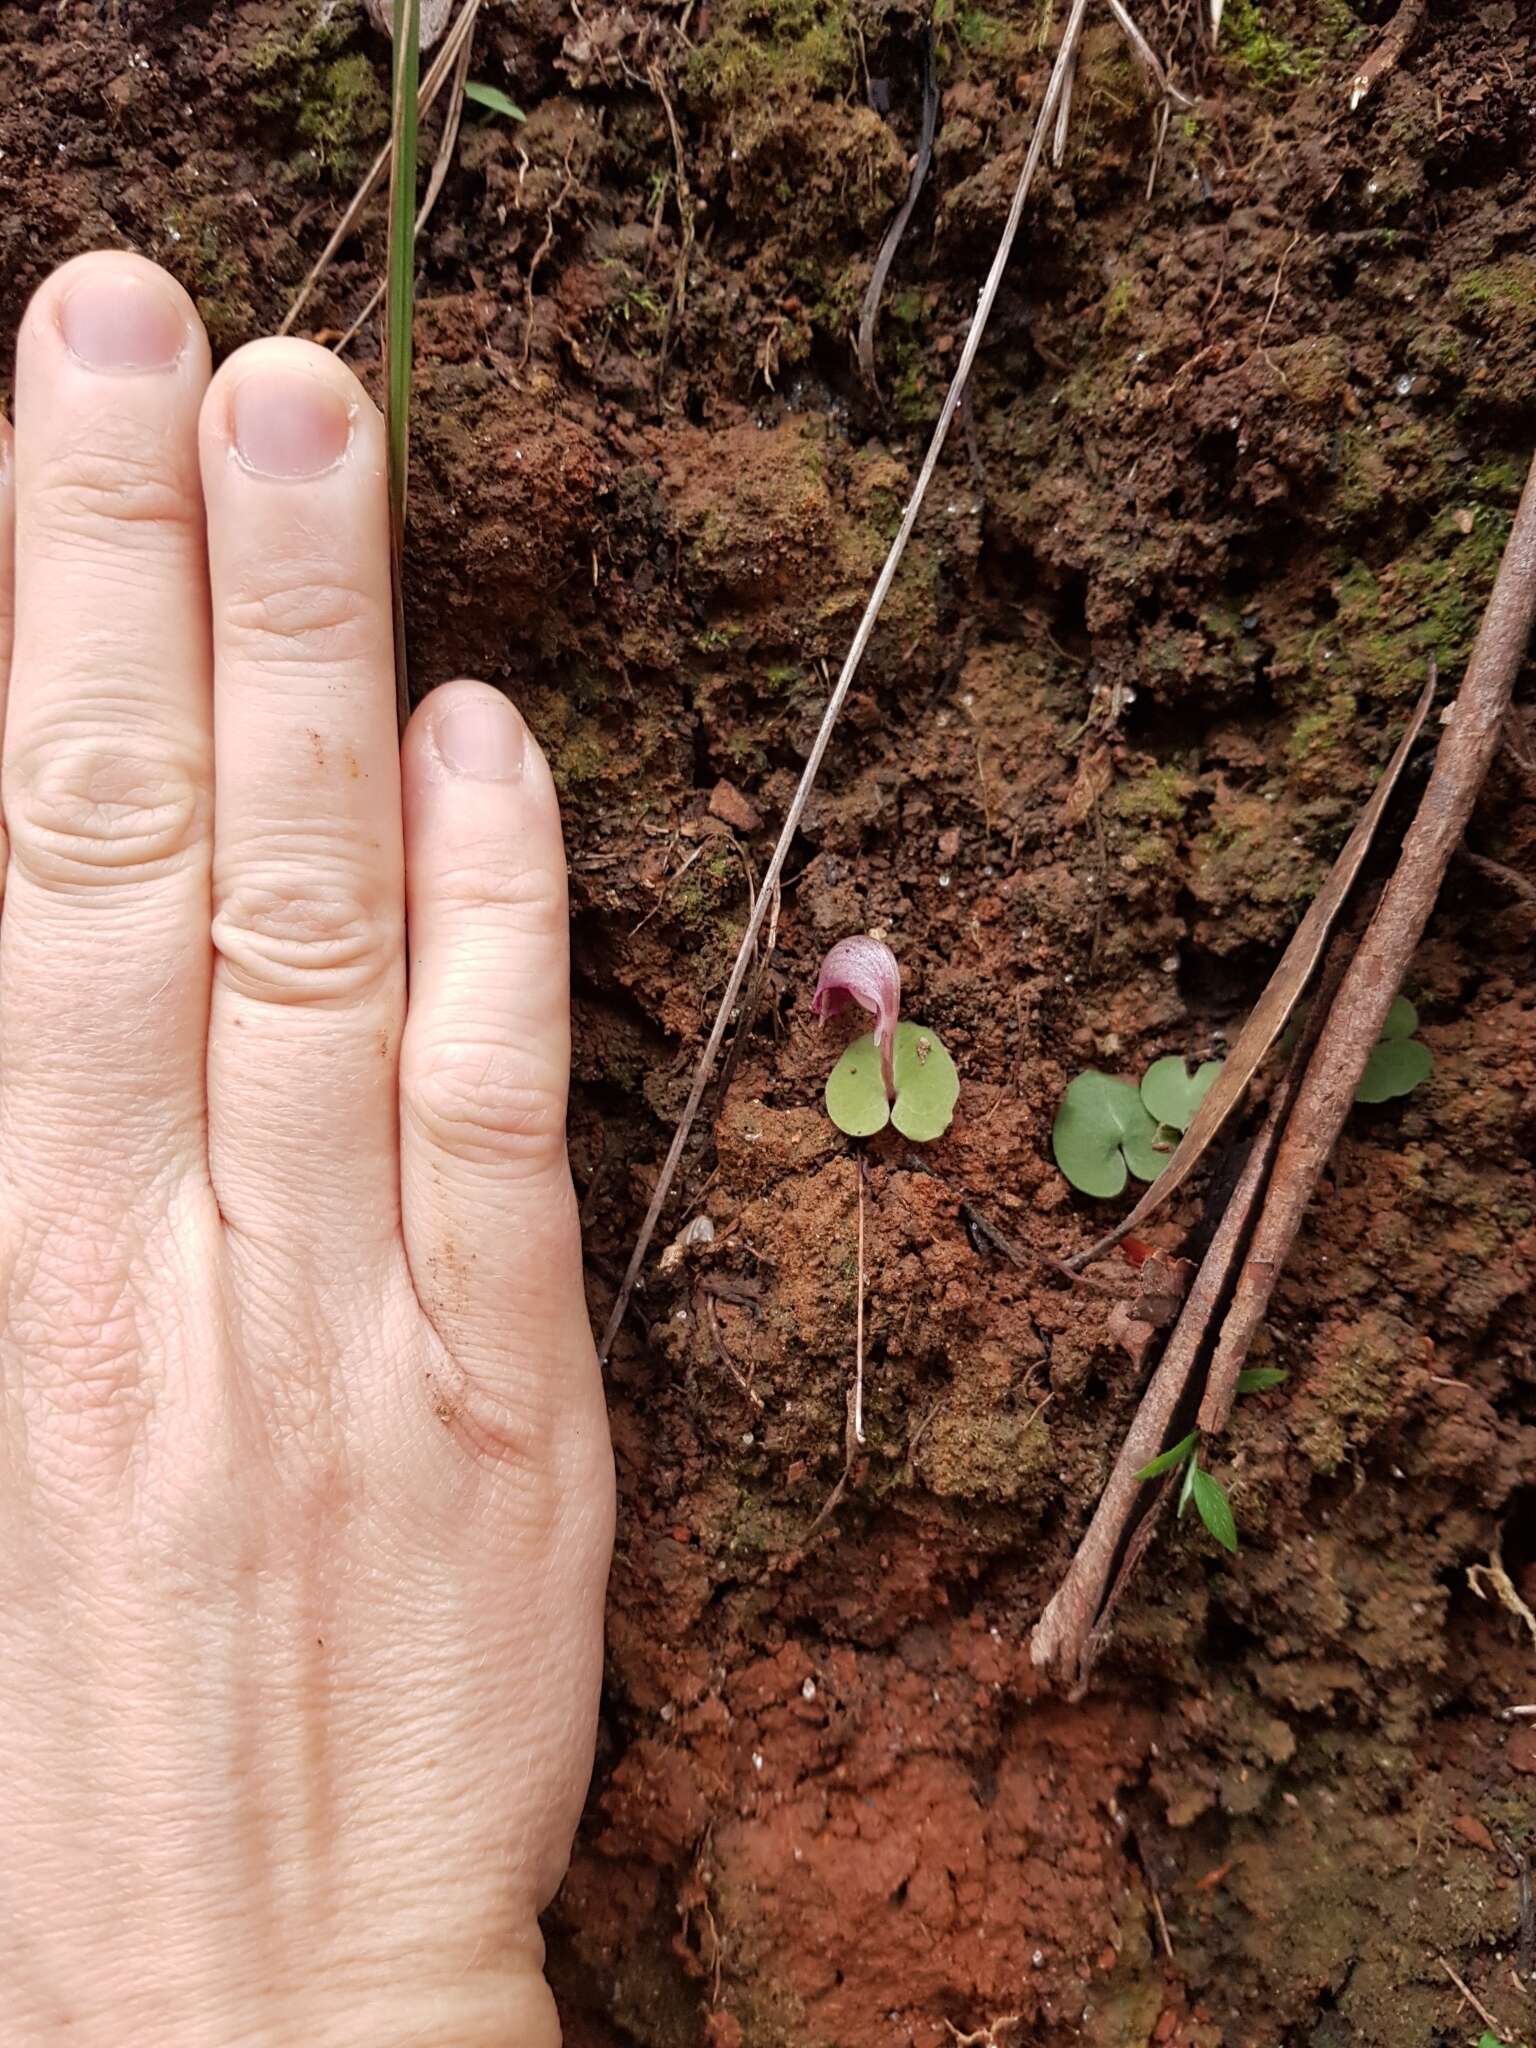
305, 1489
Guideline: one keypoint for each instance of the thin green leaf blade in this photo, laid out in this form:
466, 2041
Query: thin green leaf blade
1256, 1379
1187, 1489
493, 98
1166, 1460
1213, 1508
399, 301
1402, 1020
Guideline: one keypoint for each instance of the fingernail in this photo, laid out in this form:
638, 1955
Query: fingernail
481, 737
123, 323
289, 425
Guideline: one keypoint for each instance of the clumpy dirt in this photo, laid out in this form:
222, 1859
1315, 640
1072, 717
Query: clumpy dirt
1239, 460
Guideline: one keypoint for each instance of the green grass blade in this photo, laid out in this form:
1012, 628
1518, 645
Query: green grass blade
400, 294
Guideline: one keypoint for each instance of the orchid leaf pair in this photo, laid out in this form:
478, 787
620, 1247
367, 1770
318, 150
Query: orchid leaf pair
898, 1073
1106, 1129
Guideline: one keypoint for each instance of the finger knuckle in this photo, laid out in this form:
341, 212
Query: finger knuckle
303, 942
522, 900
489, 1104
83, 810
124, 484
302, 613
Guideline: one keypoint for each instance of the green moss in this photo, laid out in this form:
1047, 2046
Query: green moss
1317, 736
978, 30
215, 273
1499, 289
1499, 481
1157, 797
1120, 303
761, 49
1355, 1391
335, 101
1428, 602
1275, 63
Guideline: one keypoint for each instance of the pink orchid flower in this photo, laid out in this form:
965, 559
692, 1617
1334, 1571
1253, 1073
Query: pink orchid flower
864, 971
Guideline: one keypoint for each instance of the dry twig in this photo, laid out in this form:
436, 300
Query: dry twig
542, 251
1073, 1628
1269, 1015
1389, 52
1147, 57
1474, 2001
870, 310
447, 144
1304, 1123
431, 86
833, 711
685, 215
1467, 746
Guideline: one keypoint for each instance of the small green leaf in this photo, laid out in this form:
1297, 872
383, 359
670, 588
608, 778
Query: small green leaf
1395, 1066
1166, 1460
1103, 1127
1402, 1019
1213, 1508
927, 1086
1187, 1489
493, 97
856, 1090
1258, 1377
1172, 1093
1489, 2040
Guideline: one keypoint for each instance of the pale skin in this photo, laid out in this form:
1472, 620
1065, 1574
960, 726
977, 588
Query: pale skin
305, 1489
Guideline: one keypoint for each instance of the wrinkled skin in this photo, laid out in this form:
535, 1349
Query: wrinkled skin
305, 1490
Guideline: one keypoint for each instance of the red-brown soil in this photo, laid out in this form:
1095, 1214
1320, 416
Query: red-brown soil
1240, 458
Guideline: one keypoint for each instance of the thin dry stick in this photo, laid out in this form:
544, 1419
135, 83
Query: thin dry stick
870, 311
686, 214
426, 98
858, 1342
1389, 52
1465, 754
1074, 1624
541, 252
1475, 2002
1063, 114
838, 698
1147, 57
440, 165
1267, 1019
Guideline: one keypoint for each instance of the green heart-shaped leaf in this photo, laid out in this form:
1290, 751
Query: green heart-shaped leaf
856, 1090
1172, 1093
1395, 1066
927, 1087
1402, 1019
1103, 1127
